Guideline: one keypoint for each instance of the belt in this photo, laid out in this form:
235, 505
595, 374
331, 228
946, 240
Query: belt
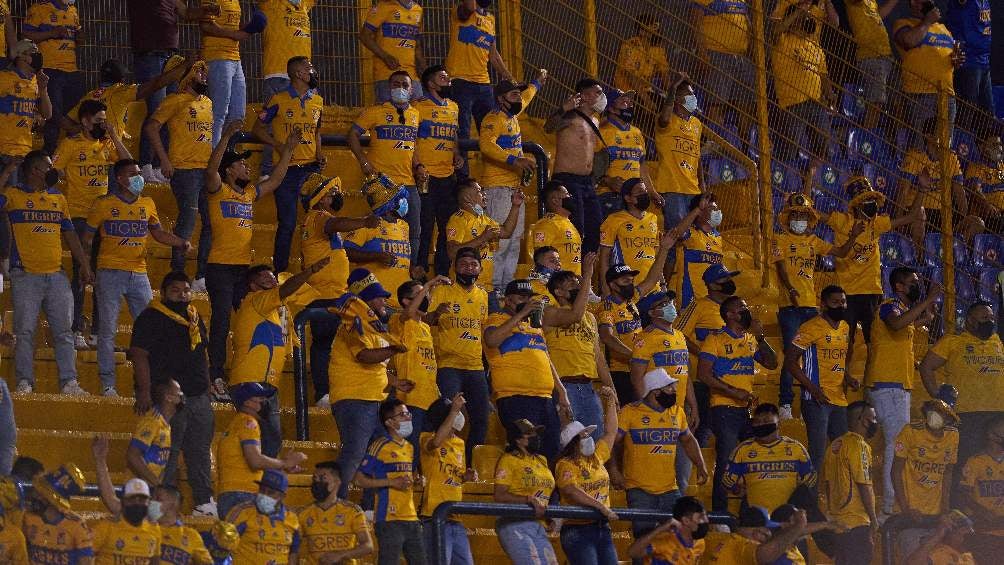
887, 385
580, 380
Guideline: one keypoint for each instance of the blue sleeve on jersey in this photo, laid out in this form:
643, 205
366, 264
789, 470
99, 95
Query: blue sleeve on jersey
888, 309
295, 546
268, 114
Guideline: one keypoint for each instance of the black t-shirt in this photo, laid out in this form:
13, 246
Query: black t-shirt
153, 25
171, 353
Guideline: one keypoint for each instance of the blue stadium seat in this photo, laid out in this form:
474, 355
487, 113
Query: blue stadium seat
785, 178
830, 179
827, 204
852, 104
932, 274
864, 145
987, 249
721, 169
825, 263
965, 287
825, 232
886, 287
897, 250
989, 290
936, 257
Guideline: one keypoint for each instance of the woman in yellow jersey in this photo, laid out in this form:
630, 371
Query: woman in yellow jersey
523, 477
583, 481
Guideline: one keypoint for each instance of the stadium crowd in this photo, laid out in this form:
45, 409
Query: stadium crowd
625, 350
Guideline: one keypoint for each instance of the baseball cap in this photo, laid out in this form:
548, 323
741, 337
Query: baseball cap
274, 479
628, 185
365, 285
246, 391
650, 300
519, 286
616, 93
573, 429
756, 517
656, 379
619, 270
717, 272
136, 487
231, 157
467, 252
505, 86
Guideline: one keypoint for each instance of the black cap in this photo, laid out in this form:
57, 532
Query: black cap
467, 252
505, 86
231, 157
586, 83
519, 286
619, 270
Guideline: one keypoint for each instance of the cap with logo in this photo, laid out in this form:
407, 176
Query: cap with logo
365, 285
519, 286
619, 270
717, 272
136, 487
274, 479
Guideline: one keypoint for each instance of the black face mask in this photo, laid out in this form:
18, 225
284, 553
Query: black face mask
643, 202
533, 444
871, 430
913, 294
466, 280
626, 291
764, 430
869, 209
134, 513
241, 183
445, 91
836, 314
702, 531
666, 399
424, 306
200, 88
627, 115
111, 77
51, 177
984, 330
337, 201
515, 107
727, 288
573, 294
177, 306
98, 131
568, 204
34, 505
319, 490
313, 82
180, 406
745, 319
36, 62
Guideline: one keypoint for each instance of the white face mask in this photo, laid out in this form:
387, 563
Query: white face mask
459, 421
715, 219
798, 226
935, 420
478, 210
587, 446
690, 103
153, 511
404, 429
400, 96
265, 504
600, 104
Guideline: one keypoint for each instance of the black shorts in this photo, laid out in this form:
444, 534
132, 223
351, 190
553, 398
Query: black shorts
861, 310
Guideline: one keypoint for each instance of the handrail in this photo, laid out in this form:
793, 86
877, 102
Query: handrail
444, 510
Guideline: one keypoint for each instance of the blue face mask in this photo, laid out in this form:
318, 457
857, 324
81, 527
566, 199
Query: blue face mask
265, 504
294, 2
402, 207
136, 184
545, 271
668, 312
690, 103
400, 96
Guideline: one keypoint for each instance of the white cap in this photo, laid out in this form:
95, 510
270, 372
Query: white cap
134, 487
656, 379
569, 432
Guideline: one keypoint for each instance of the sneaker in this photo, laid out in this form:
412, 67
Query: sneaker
79, 342
72, 388
24, 387
207, 509
199, 285
324, 402
110, 392
160, 178
785, 412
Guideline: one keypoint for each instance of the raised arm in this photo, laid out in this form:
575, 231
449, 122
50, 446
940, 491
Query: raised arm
99, 447
213, 180
654, 276
294, 138
556, 316
294, 282
494, 336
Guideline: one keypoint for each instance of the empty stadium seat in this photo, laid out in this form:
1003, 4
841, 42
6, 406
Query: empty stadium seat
989, 288
867, 146
965, 287
987, 249
935, 256
721, 169
897, 250
785, 177
852, 104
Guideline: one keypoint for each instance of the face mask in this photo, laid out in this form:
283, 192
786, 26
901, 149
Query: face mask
935, 421
568, 204
626, 291
294, 2
690, 103
445, 91
402, 208
36, 62
666, 399
404, 429
337, 201
154, 512
134, 513
600, 104
984, 330
515, 107
668, 312
701, 532
177, 306
533, 444
869, 209
627, 115
458, 421
798, 226
313, 82
477, 210
484, 4
587, 446
241, 183
136, 184
400, 96
544, 271
319, 490
265, 504
715, 218
200, 88
51, 177
764, 430
98, 131
913, 294
466, 280
180, 406
745, 318
871, 430
643, 202
573, 294
728, 287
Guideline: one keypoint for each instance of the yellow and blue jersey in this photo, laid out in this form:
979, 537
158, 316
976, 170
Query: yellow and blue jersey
189, 121
669, 548
360, 329
18, 103
230, 216
971, 23
327, 530
388, 237
471, 43
633, 241
85, 164
824, 354
770, 472
696, 251
725, 27
797, 256
117, 541
679, 147
46, 15
124, 227
260, 341
181, 545
525, 475
387, 459
37, 222
264, 540
13, 547
117, 98
890, 352
623, 316
223, 48
460, 330
235, 475
700, 319
975, 367
520, 364
316, 244
501, 143
927, 458
928, 66
287, 34
651, 439
990, 178
463, 227
66, 540
656, 348
397, 24
153, 439
860, 272
557, 231
588, 473
625, 145
287, 111
392, 140
983, 477
733, 358
437, 135
444, 468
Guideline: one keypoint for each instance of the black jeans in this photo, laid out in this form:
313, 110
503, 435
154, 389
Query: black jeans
853, 547
586, 214
322, 335
192, 433
221, 282
271, 430
399, 536
623, 386
437, 206
539, 411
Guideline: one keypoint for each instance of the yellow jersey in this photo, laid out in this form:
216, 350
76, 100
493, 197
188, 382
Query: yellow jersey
85, 164
4, 12
668, 548
633, 241
316, 244
388, 237
869, 30
983, 477
974, 367
260, 338
890, 353
223, 48
573, 348
695, 252
799, 66
388, 459
18, 104
189, 120
287, 34
679, 148
860, 272
657, 348
824, 353
58, 54
181, 544
700, 319
797, 256
815, 11
460, 330
153, 439
234, 473
501, 143
117, 98
13, 547
392, 140
444, 469
265, 540
437, 135
117, 541
729, 549
525, 475
926, 458
625, 147
397, 24
335, 528
915, 162
770, 472
67, 540
928, 66
124, 227
990, 177
733, 359
623, 316
848, 464
651, 438
286, 111
471, 44
418, 364
943, 554
520, 364
637, 61
587, 473
37, 221
557, 231
725, 27
464, 226
360, 329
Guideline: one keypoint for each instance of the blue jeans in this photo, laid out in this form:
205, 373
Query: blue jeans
382, 88
474, 100
540, 411
823, 423
145, 67
188, 186
269, 87
414, 219
586, 406
637, 498
418, 426
588, 544
80, 226
525, 542
227, 500
31, 295
676, 207
586, 214
729, 424
925, 106
228, 91
458, 548
790, 318
8, 430
892, 407
287, 204
474, 385
356, 421
111, 286
610, 202
270, 424
65, 90
683, 467
437, 206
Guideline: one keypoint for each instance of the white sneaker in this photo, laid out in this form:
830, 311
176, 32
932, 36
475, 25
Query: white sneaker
785, 412
207, 509
72, 388
24, 387
79, 343
199, 285
324, 402
92, 341
110, 392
